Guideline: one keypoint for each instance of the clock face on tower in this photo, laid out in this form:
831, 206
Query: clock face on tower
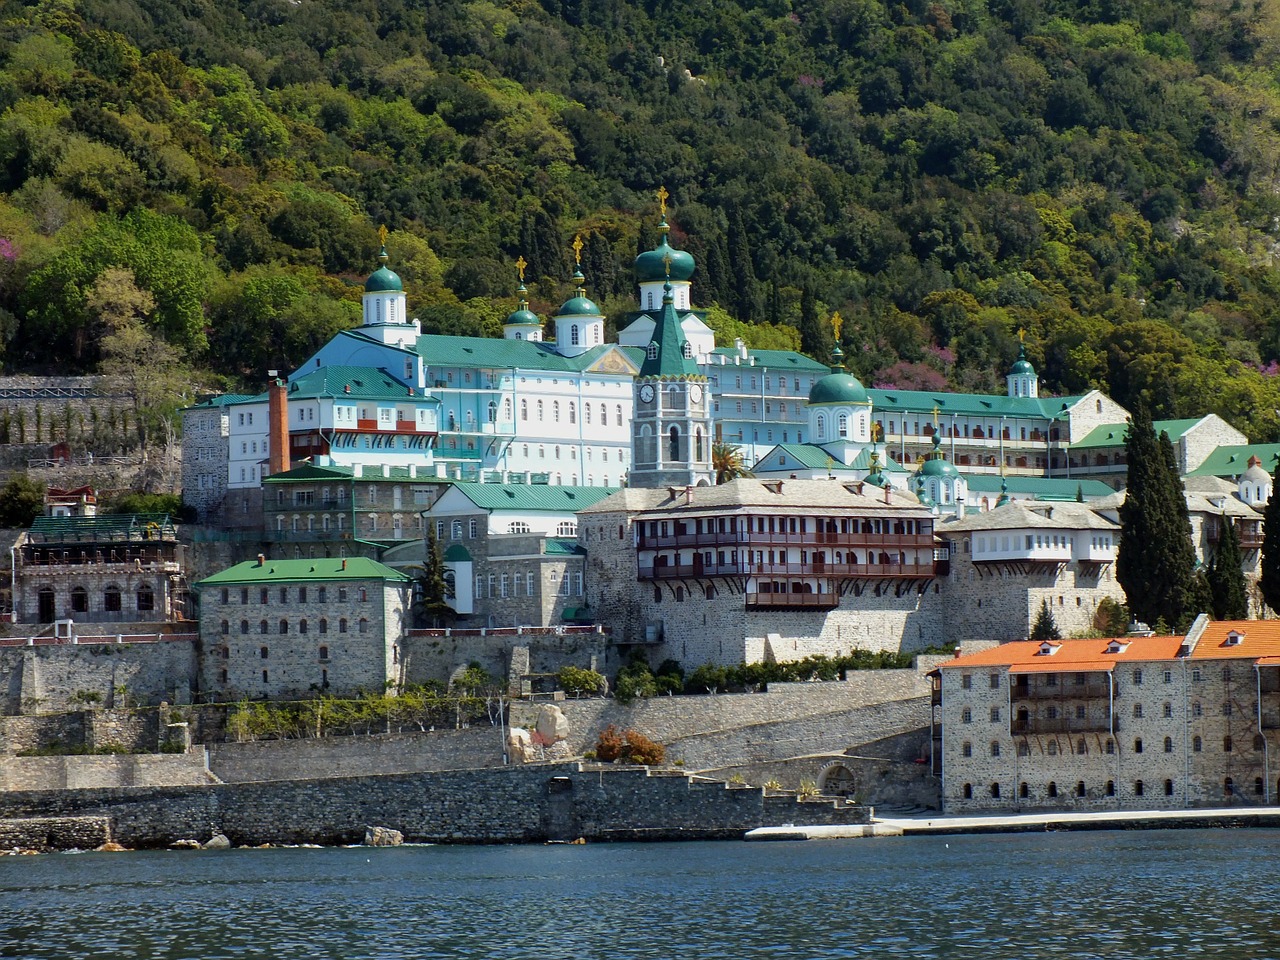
695, 393
646, 393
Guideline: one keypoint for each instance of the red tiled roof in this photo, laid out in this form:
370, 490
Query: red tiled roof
1259, 638
1024, 656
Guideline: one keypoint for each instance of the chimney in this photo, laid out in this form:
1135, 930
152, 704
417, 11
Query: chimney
957, 653
413, 471
886, 491
344, 563
688, 494
277, 426
261, 559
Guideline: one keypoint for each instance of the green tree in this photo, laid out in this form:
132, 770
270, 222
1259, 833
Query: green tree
1045, 627
1269, 579
726, 460
433, 588
1227, 592
21, 501
1156, 561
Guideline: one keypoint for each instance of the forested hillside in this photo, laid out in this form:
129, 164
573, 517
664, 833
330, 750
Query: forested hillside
209, 177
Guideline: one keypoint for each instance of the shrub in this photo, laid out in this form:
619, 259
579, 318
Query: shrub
577, 682
609, 744
640, 749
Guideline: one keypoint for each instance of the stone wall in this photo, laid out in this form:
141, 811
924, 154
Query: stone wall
505, 653
525, 804
47, 677
357, 756
788, 719
116, 770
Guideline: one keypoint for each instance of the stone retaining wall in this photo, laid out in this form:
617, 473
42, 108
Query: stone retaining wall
113, 770
526, 804
357, 756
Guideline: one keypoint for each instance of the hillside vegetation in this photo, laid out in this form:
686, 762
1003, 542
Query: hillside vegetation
202, 182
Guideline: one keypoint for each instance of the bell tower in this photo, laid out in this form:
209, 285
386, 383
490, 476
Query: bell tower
671, 426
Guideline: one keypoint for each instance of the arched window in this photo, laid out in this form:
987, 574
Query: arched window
573, 412
79, 600
524, 409
342, 624
821, 426
574, 336
1168, 788
146, 598
302, 626
364, 625
226, 628
686, 350
111, 599
284, 626
995, 790
618, 410
493, 411
324, 625
264, 652
968, 791
966, 749
262, 626
555, 411
843, 427
244, 627
540, 411
698, 456
586, 413
652, 352
1168, 744
324, 653
673, 444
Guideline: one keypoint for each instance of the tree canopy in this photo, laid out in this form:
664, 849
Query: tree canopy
941, 174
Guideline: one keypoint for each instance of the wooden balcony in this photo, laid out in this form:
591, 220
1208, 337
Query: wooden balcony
1033, 725
672, 571
792, 601
743, 539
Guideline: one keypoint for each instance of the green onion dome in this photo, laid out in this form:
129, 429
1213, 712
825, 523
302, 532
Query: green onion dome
652, 264
383, 280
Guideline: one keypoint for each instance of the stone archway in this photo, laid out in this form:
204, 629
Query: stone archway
837, 780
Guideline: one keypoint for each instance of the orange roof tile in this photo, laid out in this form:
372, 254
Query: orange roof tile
1260, 638
1072, 655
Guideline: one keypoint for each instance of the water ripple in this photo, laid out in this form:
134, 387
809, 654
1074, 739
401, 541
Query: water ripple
1185, 894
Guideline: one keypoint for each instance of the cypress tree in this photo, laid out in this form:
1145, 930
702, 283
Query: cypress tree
1156, 561
433, 604
1269, 582
1227, 593
1045, 627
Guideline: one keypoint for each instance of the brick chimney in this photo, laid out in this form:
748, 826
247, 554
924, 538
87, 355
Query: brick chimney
278, 425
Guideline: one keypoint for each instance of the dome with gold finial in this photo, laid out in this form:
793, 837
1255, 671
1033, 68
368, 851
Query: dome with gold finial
384, 279
664, 262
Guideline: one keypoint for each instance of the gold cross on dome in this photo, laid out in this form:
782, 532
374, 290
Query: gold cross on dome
577, 250
666, 259
520, 265
876, 431
936, 411
382, 235
837, 322
1022, 335
662, 200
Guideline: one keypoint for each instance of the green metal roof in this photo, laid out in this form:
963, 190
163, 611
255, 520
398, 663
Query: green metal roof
664, 261
319, 570
669, 360
562, 547
439, 350
969, 404
543, 497
308, 472
813, 456
357, 383
838, 388
108, 528
457, 554
1113, 434
774, 360
1231, 461
222, 400
1041, 488
384, 279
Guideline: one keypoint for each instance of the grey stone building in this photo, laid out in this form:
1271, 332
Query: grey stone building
1139, 722
294, 628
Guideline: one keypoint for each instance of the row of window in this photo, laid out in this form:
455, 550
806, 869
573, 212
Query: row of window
502, 586
299, 594
362, 626
573, 453
1051, 712
1080, 679
112, 598
1229, 789
1082, 746
571, 408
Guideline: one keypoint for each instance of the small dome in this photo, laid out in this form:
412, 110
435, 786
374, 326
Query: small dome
578, 306
838, 388
1022, 366
383, 280
1256, 473
524, 317
652, 264
937, 467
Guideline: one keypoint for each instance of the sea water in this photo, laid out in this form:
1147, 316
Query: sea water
1139, 894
